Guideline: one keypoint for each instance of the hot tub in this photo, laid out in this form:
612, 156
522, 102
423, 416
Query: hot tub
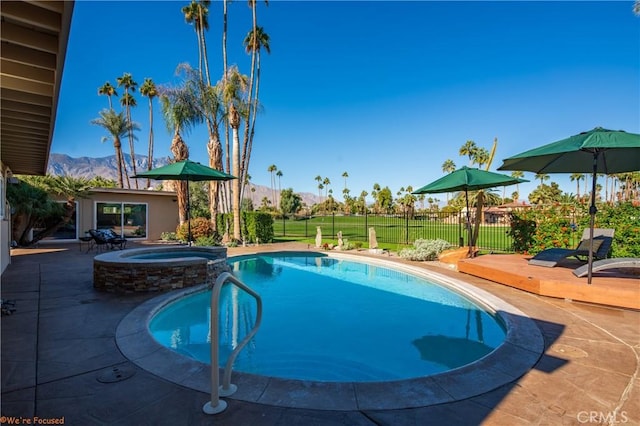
158, 269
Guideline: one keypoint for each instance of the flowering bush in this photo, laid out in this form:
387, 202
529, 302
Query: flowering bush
561, 225
425, 249
200, 227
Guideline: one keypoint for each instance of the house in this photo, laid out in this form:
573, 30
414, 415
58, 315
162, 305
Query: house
138, 214
34, 43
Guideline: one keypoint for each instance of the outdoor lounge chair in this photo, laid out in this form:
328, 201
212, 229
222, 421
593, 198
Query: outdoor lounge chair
602, 240
604, 264
99, 239
114, 239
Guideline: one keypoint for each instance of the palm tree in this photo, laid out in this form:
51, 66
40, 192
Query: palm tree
127, 100
149, 90
108, 90
577, 177
326, 182
117, 125
481, 157
542, 177
279, 174
253, 42
345, 175
197, 13
272, 169
235, 87
448, 166
319, 180
469, 149
180, 114
517, 174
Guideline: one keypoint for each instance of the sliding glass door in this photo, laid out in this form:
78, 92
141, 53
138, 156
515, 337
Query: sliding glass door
128, 219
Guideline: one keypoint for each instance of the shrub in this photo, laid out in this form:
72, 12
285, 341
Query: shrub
213, 240
168, 236
425, 250
200, 227
557, 225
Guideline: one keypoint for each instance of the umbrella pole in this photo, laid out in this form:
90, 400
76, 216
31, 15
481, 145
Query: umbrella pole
592, 213
466, 195
188, 216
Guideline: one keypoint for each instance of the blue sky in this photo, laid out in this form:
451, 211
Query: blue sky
386, 91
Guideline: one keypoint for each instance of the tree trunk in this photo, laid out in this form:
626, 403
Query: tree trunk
214, 148
180, 152
234, 120
150, 153
118, 148
476, 226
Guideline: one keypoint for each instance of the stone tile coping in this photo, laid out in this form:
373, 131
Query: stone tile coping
522, 348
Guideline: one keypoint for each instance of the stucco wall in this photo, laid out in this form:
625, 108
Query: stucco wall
162, 209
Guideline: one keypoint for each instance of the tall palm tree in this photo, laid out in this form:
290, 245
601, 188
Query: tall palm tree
517, 174
481, 157
326, 182
128, 101
577, 177
542, 177
197, 13
149, 90
180, 114
234, 122
117, 125
272, 169
108, 90
469, 149
255, 40
345, 175
279, 174
448, 166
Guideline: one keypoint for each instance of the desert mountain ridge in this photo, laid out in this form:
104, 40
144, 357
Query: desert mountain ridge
106, 167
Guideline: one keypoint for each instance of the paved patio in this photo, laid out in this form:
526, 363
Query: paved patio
60, 360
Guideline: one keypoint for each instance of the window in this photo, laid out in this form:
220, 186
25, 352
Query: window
128, 219
68, 231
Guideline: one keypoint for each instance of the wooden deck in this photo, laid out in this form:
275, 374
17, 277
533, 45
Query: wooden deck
620, 288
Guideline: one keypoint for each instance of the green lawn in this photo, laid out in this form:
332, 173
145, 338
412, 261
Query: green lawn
391, 232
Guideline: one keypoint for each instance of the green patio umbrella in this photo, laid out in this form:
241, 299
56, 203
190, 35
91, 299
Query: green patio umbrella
468, 179
185, 170
596, 151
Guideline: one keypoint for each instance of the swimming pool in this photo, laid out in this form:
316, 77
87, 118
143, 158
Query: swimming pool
334, 320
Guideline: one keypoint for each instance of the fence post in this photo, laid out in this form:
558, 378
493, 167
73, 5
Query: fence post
284, 226
406, 227
460, 228
306, 226
366, 227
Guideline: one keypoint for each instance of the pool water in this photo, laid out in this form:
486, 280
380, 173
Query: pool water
328, 319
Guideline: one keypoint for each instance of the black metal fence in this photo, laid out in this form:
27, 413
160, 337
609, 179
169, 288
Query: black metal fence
400, 230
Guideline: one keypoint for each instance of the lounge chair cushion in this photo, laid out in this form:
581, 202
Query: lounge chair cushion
584, 245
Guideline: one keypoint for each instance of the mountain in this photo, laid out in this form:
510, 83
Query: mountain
107, 167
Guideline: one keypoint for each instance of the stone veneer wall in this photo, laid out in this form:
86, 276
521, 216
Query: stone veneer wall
116, 272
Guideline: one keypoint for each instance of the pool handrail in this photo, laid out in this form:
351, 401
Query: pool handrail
215, 405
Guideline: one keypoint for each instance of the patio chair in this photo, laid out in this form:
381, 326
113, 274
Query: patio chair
114, 240
99, 239
602, 240
604, 264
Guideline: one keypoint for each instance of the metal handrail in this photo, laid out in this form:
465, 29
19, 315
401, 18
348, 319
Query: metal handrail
216, 405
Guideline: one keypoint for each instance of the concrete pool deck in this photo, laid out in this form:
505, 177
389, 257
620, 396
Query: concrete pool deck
60, 358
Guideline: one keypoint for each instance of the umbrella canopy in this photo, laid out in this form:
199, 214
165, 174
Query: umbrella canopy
468, 179
596, 151
185, 170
